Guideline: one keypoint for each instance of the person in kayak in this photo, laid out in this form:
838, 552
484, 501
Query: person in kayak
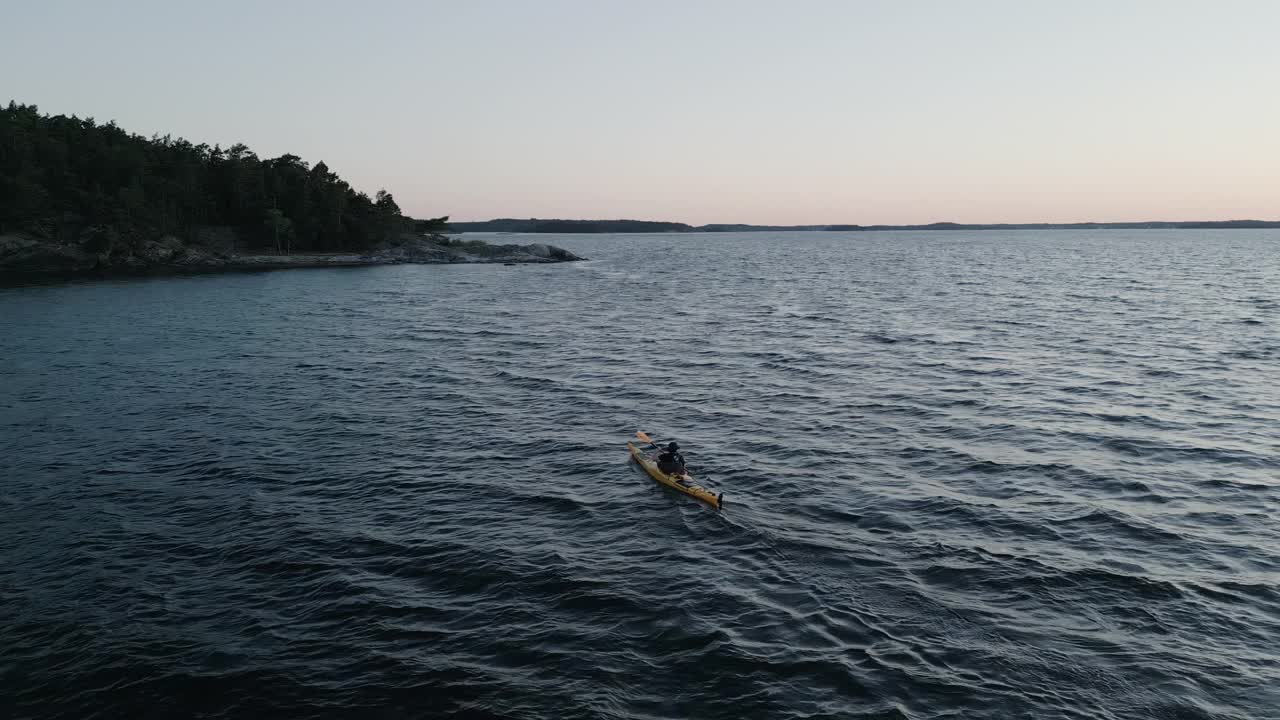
671, 461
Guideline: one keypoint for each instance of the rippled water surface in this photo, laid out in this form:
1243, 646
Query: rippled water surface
967, 475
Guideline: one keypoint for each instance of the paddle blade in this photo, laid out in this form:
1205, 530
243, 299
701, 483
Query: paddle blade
644, 436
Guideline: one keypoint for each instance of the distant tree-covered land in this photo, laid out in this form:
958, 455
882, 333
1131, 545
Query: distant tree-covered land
570, 226
79, 180
535, 225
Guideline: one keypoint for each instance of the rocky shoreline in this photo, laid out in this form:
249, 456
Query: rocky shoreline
25, 256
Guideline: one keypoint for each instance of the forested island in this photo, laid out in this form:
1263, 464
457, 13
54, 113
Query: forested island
81, 196
535, 225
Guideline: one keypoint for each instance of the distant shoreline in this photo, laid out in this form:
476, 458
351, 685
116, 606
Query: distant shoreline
564, 227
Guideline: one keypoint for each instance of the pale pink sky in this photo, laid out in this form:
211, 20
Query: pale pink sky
700, 111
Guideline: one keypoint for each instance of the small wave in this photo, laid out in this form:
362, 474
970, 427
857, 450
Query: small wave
1151, 449
1107, 523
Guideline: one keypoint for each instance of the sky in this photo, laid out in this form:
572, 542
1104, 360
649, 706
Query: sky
700, 111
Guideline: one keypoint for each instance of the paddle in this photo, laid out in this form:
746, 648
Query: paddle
645, 438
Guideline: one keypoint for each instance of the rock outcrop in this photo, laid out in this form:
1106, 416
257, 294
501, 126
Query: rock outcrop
99, 251
25, 254
22, 254
440, 249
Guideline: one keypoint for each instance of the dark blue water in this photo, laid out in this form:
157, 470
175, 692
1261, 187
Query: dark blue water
967, 475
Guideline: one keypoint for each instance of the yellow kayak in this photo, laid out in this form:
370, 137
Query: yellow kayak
683, 483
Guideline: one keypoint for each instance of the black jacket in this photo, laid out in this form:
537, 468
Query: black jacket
671, 462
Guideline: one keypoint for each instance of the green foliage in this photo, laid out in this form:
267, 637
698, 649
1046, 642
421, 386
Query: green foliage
477, 246
66, 172
431, 225
280, 227
471, 245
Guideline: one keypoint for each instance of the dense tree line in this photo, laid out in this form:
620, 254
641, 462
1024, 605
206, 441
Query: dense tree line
70, 178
